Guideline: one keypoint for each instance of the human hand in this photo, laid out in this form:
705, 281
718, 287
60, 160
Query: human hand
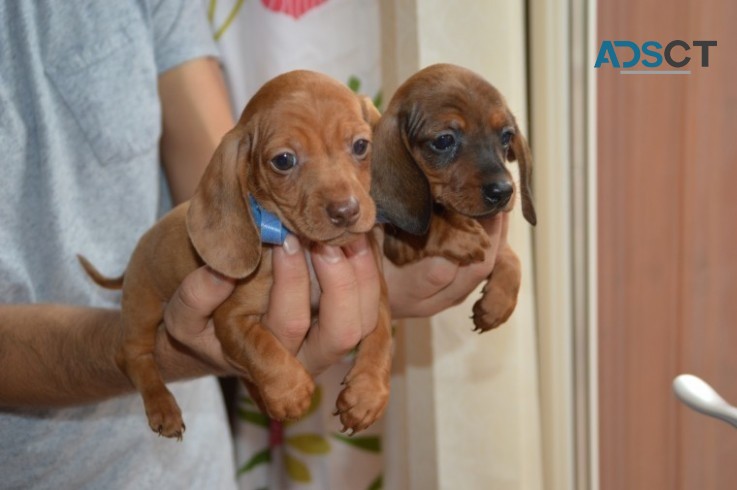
188, 318
349, 280
431, 285
350, 284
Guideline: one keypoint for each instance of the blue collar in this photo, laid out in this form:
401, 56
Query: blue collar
269, 226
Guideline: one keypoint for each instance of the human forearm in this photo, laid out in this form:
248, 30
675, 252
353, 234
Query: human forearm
56, 355
196, 115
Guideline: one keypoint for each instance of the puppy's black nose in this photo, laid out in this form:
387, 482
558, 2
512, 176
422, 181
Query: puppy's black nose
498, 193
344, 213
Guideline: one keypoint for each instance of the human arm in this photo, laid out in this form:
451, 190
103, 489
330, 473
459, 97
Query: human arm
196, 114
60, 355
42, 346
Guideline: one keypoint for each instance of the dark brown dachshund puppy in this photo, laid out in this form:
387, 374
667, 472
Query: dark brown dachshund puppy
302, 150
439, 162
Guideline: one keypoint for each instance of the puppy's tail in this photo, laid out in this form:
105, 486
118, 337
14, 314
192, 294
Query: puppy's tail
106, 282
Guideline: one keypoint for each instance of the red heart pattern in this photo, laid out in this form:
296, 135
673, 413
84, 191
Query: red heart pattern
295, 8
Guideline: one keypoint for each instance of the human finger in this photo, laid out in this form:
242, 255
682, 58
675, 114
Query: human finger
187, 315
339, 324
361, 257
288, 314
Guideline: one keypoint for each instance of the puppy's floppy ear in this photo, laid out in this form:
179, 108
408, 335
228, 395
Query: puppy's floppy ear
398, 185
520, 151
219, 220
370, 113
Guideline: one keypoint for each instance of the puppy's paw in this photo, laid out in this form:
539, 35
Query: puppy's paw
499, 296
465, 252
362, 401
494, 308
164, 415
288, 396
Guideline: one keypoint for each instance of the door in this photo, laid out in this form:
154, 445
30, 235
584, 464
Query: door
667, 244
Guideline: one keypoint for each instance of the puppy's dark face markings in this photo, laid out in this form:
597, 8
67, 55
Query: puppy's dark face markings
461, 142
445, 138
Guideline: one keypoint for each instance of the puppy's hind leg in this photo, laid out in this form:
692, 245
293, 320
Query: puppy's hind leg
141, 319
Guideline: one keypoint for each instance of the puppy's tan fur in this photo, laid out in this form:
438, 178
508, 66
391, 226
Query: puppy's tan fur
431, 196
319, 121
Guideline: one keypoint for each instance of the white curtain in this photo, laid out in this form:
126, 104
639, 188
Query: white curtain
265, 38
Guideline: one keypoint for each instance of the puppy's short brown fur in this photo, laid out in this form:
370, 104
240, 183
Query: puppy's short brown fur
439, 162
302, 149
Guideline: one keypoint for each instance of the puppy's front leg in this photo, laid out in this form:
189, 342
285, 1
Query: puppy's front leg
284, 387
500, 292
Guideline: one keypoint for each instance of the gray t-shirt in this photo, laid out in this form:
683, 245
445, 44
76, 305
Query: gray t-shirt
80, 122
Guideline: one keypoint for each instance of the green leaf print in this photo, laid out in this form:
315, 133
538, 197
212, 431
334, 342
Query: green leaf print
253, 417
367, 443
228, 20
309, 443
296, 469
354, 83
260, 457
377, 484
316, 400
378, 100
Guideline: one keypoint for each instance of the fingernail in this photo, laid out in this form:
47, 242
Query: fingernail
291, 244
216, 277
331, 255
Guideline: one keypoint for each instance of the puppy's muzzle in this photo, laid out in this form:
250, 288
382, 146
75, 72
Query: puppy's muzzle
497, 194
344, 213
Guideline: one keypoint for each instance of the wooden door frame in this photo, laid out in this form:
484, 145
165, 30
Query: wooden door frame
561, 40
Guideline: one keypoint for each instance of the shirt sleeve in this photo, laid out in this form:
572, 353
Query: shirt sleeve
181, 33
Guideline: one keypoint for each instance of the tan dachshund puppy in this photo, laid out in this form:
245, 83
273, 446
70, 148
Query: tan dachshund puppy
301, 151
439, 162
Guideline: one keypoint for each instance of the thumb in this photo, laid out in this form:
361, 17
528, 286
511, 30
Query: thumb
189, 310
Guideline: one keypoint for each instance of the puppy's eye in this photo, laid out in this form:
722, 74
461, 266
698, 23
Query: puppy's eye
507, 135
443, 142
284, 161
360, 147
